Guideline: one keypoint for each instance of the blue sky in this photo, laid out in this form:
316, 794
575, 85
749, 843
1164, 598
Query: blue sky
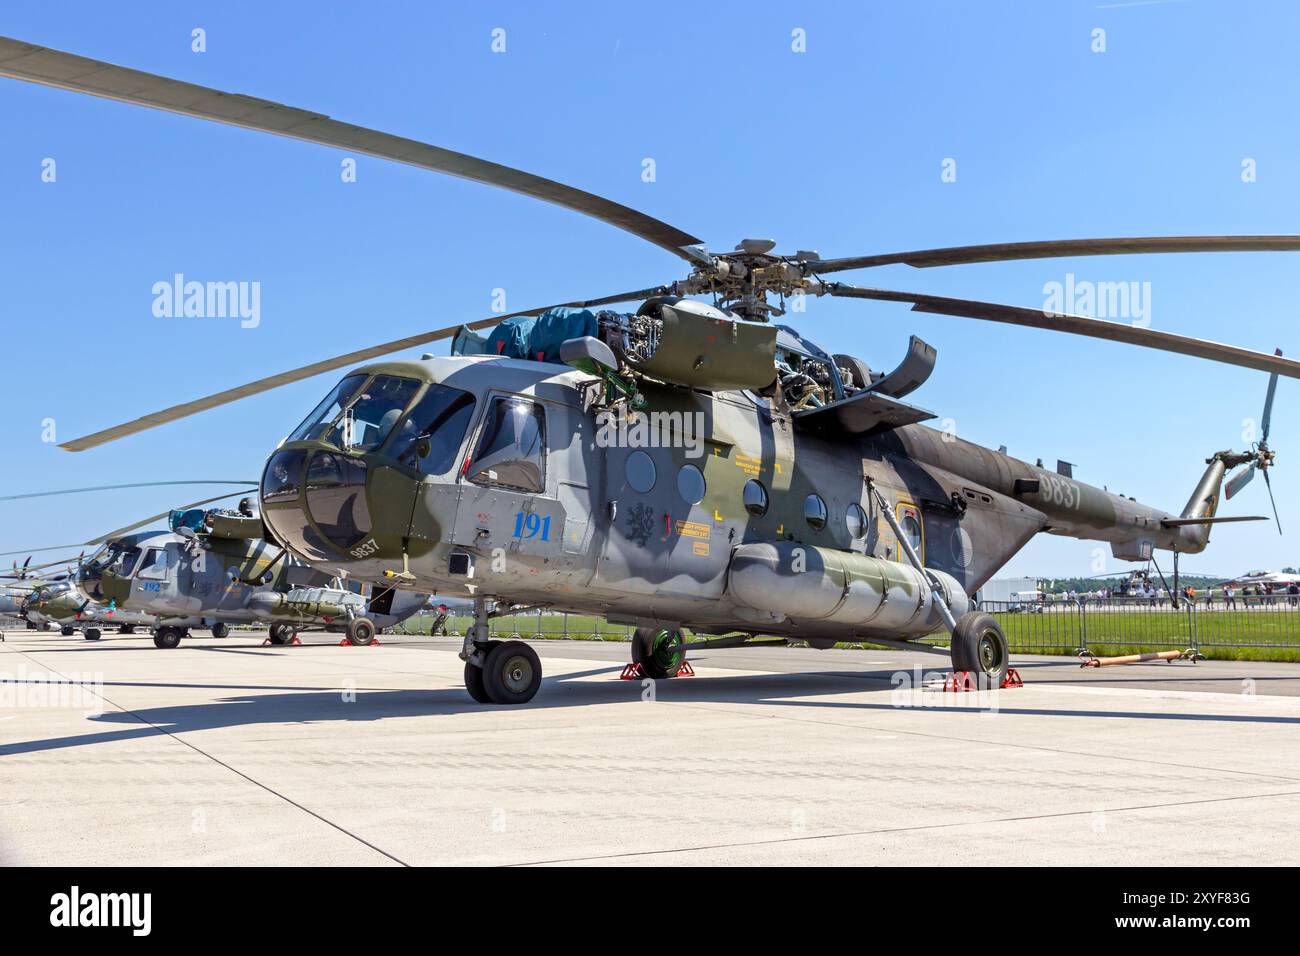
838, 149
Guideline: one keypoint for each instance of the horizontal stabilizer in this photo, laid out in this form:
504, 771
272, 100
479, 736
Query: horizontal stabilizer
1180, 522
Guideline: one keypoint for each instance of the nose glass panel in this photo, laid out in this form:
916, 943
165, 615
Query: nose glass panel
336, 498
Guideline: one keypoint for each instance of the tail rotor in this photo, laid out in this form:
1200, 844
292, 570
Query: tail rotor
1260, 457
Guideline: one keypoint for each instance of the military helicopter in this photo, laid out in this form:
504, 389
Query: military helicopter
214, 567
60, 604
818, 509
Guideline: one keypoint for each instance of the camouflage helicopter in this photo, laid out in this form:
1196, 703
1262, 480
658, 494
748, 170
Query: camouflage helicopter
60, 604
213, 568
796, 495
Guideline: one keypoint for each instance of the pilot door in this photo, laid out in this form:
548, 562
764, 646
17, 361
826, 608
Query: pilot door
507, 485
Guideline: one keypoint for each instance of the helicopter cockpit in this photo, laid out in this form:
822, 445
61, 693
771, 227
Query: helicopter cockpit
314, 498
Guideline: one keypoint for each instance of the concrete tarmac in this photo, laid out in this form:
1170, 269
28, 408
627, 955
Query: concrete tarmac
226, 752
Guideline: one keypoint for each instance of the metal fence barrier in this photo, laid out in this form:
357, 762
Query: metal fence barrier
1267, 624
1064, 626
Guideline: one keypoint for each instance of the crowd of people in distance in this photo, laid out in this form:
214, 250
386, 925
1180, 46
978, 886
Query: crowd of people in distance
1146, 592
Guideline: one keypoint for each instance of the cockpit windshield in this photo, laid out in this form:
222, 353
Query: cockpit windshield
430, 437
367, 421
318, 422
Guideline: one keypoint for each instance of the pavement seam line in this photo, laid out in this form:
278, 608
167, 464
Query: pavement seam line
913, 829
221, 763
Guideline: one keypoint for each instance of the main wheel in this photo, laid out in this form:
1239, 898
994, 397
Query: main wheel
361, 631
280, 633
126, 629
67, 630
220, 630
658, 651
979, 646
91, 633
474, 676
512, 673
167, 637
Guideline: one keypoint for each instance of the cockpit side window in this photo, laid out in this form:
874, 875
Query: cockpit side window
154, 566
512, 450
322, 417
429, 438
123, 563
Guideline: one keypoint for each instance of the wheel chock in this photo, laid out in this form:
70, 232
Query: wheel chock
962, 681
957, 681
293, 640
634, 672
346, 643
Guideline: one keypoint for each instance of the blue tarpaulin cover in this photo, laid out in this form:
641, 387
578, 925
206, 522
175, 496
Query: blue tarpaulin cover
539, 338
192, 519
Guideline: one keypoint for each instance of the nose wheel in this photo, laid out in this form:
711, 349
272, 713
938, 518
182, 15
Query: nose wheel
498, 672
168, 637
511, 673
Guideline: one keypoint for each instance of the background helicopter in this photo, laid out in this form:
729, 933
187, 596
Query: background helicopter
212, 568
778, 530
60, 604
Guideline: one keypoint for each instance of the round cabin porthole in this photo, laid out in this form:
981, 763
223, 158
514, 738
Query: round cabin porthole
754, 498
690, 484
640, 472
814, 511
855, 519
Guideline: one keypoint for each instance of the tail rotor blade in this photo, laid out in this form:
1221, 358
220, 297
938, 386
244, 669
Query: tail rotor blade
1238, 481
1269, 483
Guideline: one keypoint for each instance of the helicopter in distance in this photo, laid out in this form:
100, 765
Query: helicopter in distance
690, 468
212, 568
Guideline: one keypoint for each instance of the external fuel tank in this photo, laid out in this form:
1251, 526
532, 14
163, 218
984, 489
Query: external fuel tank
805, 583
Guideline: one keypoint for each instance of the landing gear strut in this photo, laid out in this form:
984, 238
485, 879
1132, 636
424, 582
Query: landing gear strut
498, 672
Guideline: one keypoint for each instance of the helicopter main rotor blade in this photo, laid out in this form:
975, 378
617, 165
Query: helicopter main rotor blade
131, 527
1054, 249
1075, 325
319, 368
1268, 405
67, 71
137, 484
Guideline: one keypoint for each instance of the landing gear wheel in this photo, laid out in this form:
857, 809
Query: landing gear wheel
512, 673
126, 629
980, 647
220, 630
168, 637
91, 634
474, 676
361, 631
658, 651
281, 633
67, 631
